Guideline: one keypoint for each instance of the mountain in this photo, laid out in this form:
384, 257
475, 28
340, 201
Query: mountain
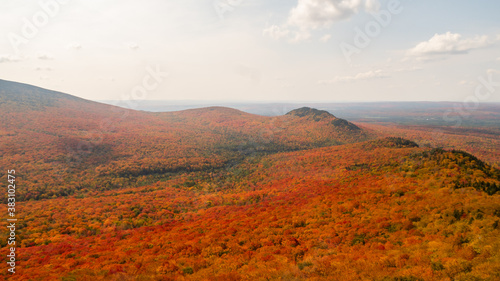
74, 146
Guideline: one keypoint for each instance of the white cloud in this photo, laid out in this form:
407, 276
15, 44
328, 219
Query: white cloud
408, 69
372, 6
448, 44
279, 32
44, 56
325, 38
312, 14
276, 32
9, 58
133, 46
39, 68
300, 36
372, 74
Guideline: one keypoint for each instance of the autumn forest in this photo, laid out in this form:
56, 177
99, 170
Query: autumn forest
108, 193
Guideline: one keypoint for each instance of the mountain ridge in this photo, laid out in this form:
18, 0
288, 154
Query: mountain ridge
11, 91
115, 147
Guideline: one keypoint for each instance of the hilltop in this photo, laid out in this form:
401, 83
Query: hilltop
310, 112
32, 97
320, 115
52, 137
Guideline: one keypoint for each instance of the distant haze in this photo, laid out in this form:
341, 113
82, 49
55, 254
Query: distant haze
422, 113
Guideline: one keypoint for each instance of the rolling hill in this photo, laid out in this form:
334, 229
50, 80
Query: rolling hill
52, 137
106, 193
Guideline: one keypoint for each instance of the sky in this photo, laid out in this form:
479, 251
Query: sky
260, 50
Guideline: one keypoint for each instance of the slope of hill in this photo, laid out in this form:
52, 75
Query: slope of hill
15, 95
378, 210
63, 145
218, 194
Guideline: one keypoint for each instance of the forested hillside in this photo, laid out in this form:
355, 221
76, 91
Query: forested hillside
379, 210
63, 145
105, 193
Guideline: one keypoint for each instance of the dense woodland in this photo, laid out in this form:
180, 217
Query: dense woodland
218, 194
67, 146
